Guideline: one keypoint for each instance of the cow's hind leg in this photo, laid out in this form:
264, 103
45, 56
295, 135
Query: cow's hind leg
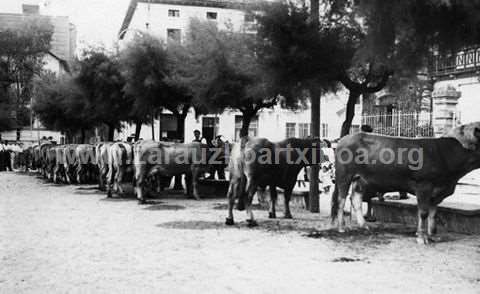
232, 188
342, 191
119, 180
139, 179
357, 198
432, 229
423, 198
273, 202
251, 188
287, 196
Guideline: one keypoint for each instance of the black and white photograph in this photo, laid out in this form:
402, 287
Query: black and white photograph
240, 146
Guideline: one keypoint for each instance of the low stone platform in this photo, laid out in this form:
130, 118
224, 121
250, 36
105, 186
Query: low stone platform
213, 188
451, 216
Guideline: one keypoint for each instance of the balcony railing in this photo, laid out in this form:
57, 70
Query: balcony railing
464, 62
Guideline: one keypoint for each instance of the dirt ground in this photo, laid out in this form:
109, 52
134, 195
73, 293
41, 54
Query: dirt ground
70, 239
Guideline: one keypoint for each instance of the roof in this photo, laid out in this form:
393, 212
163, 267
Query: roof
232, 4
62, 62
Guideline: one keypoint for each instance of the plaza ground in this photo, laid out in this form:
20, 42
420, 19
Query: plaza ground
71, 239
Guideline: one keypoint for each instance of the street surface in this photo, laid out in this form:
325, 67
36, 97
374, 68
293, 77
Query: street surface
70, 239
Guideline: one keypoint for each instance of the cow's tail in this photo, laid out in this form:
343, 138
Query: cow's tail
334, 203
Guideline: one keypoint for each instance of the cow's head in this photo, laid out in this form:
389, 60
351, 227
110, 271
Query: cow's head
468, 135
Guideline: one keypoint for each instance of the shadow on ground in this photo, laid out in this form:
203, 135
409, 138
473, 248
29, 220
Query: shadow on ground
158, 206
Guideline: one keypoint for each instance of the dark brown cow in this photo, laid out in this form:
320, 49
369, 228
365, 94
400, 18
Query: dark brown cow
429, 168
257, 162
169, 159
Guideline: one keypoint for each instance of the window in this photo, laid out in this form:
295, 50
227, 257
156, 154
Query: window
168, 127
174, 34
212, 15
290, 127
210, 128
324, 130
303, 130
174, 13
252, 129
30, 9
249, 17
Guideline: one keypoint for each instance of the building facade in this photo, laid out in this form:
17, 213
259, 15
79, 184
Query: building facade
169, 19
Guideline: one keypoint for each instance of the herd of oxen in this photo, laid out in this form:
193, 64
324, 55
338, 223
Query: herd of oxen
444, 161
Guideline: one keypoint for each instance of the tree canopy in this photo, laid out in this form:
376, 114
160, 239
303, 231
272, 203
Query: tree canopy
225, 71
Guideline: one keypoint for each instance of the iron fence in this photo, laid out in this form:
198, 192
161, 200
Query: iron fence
416, 124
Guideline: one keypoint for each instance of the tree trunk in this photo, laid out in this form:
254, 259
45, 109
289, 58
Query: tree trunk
138, 128
111, 132
181, 127
153, 127
350, 112
181, 136
313, 199
246, 119
82, 136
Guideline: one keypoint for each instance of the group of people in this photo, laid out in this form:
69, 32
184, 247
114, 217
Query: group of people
215, 142
7, 155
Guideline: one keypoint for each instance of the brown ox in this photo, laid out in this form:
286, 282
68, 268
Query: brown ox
120, 160
257, 162
101, 152
169, 159
431, 174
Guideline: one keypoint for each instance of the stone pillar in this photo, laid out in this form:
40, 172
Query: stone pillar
445, 101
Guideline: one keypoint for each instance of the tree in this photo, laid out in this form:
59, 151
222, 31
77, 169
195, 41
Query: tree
61, 105
100, 78
145, 68
303, 56
225, 72
395, 39
21, 57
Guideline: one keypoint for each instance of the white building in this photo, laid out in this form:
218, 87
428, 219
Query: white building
170, 19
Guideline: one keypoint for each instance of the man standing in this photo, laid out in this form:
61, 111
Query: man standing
219, 166
197, 136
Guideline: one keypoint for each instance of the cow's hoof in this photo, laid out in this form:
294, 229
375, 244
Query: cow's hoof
251, 223
229, 221
423, 240
142, 202
288, 216
109, 195
341, 230
272, 215
370, 219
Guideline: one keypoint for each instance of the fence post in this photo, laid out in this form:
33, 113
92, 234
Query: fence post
398, 122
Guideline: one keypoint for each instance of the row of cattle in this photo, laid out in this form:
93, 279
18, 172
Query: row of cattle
113, 163
439, 164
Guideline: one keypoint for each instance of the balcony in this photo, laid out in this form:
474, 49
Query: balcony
463, 64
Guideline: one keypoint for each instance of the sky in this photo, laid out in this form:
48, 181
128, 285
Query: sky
97, 21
